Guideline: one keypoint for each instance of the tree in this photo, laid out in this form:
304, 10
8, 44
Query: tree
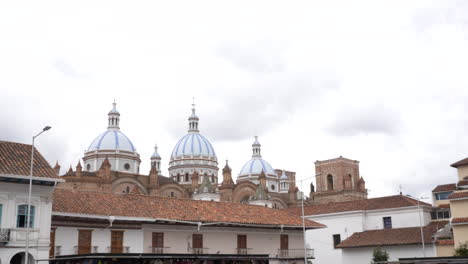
379, 255
462, 250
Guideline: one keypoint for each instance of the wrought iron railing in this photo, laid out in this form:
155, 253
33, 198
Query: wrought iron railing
160, 250
4, 235
244, 251
118, 249
198, 251
295, 253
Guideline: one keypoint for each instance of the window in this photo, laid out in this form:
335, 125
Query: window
84, 241
336, 240
387, 222
1, 215
273, 187
442, 196
23, 216
88, 167
116, 241
178, 177
284, 242
127, 166
241, 244
172, 194
186, 177
197, 243
330, 182
158, 242
440, 213
212, 179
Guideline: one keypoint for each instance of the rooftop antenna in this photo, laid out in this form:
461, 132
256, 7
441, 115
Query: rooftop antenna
400, 189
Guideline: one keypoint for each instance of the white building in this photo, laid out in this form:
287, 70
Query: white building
96, 223
15, 160
355, 228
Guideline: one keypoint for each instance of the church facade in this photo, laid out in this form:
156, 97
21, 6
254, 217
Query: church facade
112, 164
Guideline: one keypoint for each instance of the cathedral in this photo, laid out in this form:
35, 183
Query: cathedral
112, 164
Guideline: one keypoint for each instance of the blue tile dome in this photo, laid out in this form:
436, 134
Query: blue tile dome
255, 167
193, 144
112, 140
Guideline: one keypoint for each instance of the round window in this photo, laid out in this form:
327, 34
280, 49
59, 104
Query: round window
127, 166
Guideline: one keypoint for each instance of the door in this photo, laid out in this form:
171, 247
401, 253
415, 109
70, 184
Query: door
242, 244
52, 243
158, 243
197, 242
284, 245
116, 241
84, 241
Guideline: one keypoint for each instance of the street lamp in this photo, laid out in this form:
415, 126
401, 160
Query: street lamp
29, 193
421, 224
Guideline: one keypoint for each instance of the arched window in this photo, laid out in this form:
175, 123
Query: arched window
22, 217
329, 182
127, 190
186, 177
172, 194
178, 177
212, 179
350, 178
272, 187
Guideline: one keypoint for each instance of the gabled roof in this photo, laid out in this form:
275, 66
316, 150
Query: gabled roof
392, 236
459, 195
155, 207
460, 163
445, 188
15, 159
386, 202
460, 220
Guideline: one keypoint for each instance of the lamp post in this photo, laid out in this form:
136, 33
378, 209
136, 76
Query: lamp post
421, 225
29, 194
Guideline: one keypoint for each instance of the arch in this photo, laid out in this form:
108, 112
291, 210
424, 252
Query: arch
330, 182
351, 182
168, 188
120, 184
243, 190
19, 258
278, 201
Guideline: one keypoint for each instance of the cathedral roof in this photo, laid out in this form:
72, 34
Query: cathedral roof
256, 165
193, 144
112, 140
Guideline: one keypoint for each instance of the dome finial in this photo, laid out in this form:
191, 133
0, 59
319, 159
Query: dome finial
193, 119
114, 117
256, 148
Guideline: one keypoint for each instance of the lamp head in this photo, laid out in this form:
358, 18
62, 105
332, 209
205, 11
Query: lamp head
46, 128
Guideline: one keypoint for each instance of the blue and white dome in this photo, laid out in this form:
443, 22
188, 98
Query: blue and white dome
112, 140
193, 144
255, 167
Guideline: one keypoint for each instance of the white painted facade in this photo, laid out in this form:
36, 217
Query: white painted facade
13, 195
347, 223
178, 240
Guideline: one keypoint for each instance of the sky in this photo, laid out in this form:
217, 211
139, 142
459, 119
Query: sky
382, 82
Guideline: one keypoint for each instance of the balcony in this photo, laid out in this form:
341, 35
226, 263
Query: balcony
243, 251
198, 251
118, 249
295, 253
4, 236
159, 250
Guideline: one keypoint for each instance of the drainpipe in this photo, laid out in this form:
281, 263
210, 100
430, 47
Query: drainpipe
111, 220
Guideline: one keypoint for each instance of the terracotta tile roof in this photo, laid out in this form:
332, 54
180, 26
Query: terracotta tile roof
445, 187
386, 202
459, 220
458, 195
392, 236
443, 206
131, 205
15, 159
445, 242
462, 183
460, 163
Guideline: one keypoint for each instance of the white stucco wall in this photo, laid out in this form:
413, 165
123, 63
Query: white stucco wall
67, 239
11, 196
364, 255
347, 223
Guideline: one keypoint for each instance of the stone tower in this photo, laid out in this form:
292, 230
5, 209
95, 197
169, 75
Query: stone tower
338, 180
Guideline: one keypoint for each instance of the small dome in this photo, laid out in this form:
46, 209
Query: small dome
284, 176
112, 140
255, 166
155, 153
193, 144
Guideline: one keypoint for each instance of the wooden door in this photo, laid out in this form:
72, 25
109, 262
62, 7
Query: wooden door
52, 243
158, 243
241, 241
284, 242
116, 241
84, 241
197, 242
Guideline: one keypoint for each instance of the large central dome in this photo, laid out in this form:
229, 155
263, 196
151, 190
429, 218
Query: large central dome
112, 140
193, 145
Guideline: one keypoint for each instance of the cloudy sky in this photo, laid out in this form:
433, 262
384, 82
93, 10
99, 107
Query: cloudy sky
382, 82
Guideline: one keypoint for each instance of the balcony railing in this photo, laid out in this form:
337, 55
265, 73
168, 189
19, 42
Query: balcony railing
118, 249
160, 250
295, 253
244, 251
198, 251
4, 235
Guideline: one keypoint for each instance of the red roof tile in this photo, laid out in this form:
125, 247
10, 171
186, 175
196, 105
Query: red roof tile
458, 195
445, 187
460, 163
396, 201
15, 159
132, 205
459, 220
462, 183
444, 206
445, 242
392, 236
